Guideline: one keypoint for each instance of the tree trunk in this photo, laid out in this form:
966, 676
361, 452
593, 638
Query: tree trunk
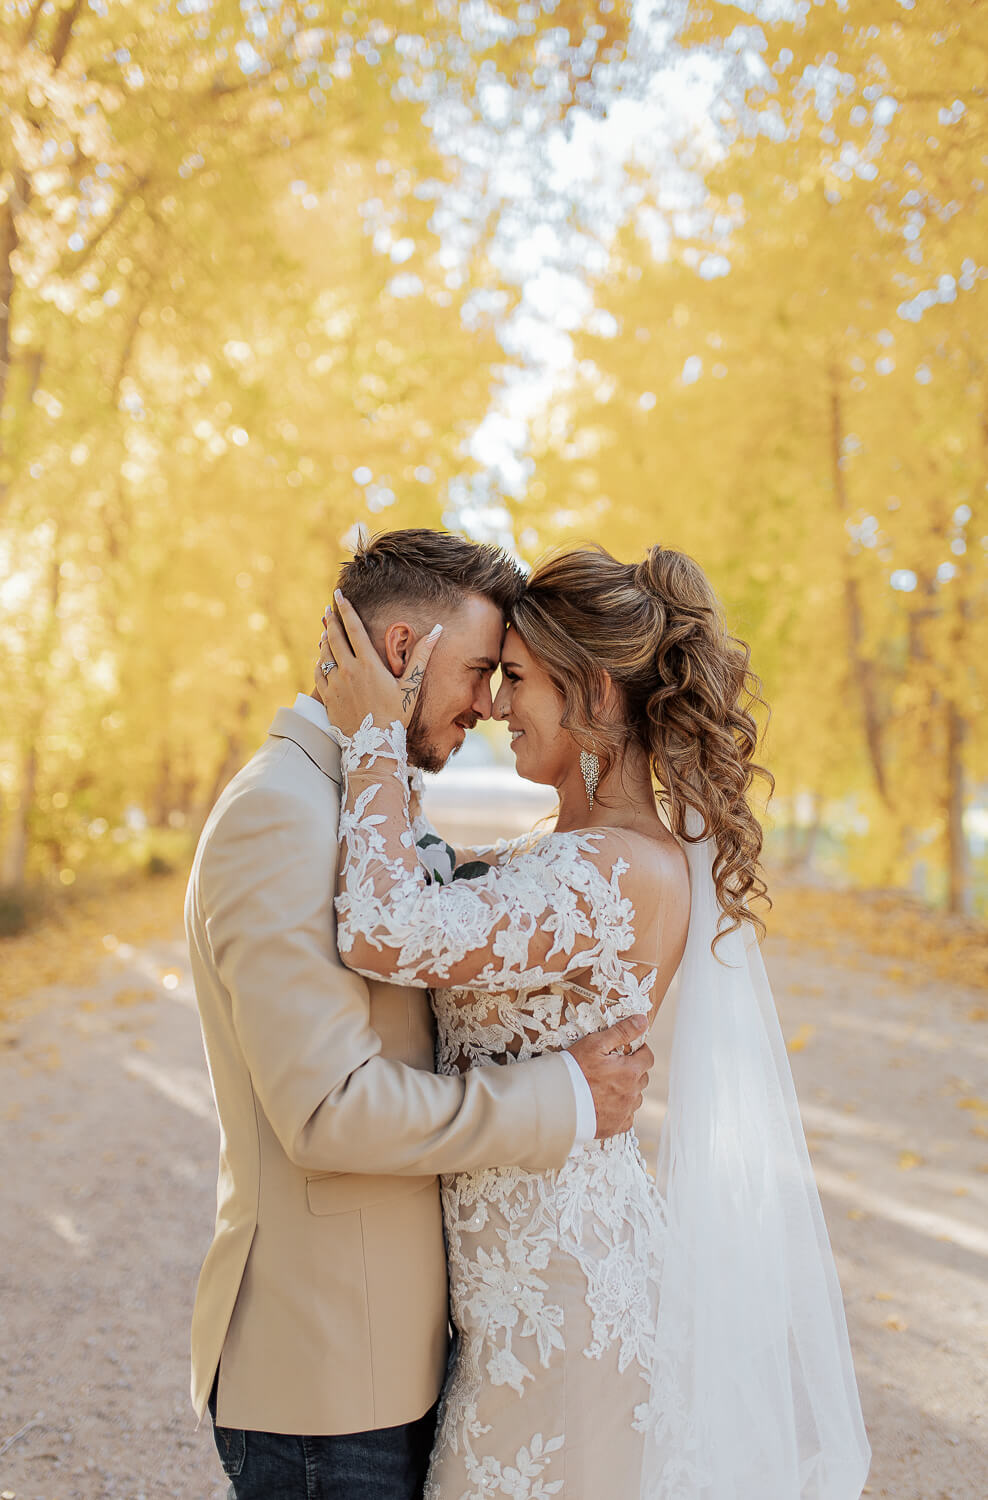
9, 240
63, 32
232, 751
15, 854
161, 799
958, 882
32, 22
19, 837
19, 198
862, 667
792, 859
812, 831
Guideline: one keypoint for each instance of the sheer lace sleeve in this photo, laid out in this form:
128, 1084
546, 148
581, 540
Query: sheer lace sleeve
555, 911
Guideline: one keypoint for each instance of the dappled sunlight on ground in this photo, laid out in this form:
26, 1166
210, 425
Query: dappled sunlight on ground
110, 1195
71, 945
889, 924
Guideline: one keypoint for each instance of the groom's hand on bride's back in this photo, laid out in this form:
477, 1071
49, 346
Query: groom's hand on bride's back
617, 1078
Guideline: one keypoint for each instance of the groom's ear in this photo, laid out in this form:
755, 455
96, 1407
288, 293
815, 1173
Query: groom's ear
399, 643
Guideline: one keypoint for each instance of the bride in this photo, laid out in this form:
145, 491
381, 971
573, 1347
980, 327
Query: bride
622, 1337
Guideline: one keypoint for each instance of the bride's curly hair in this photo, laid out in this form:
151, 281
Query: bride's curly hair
688, 693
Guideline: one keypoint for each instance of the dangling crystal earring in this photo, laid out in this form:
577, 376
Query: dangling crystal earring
590, 766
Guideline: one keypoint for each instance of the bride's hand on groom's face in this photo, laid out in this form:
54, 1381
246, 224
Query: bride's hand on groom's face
356, 681
617, 1078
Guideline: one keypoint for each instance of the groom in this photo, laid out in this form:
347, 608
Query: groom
319, 1336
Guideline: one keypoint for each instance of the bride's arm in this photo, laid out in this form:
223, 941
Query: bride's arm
544, 915
557, 911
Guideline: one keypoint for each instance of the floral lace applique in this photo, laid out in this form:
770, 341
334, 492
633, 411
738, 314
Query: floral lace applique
549, 1269
556, 909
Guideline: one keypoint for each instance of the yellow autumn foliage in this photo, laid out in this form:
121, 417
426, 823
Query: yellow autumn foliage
268, 272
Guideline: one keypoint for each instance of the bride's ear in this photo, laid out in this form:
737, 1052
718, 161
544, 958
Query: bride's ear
399, 643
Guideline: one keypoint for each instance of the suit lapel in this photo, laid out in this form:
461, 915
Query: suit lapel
317, 745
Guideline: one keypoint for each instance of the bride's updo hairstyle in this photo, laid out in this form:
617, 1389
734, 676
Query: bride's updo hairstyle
686, 688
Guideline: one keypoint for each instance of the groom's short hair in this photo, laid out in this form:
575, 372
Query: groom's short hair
427, 569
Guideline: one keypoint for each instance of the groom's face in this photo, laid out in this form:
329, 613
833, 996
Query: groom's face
456, 691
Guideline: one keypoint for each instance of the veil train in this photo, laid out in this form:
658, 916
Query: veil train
753, 1394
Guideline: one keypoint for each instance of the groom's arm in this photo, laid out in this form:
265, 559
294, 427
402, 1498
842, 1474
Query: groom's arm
303, 1021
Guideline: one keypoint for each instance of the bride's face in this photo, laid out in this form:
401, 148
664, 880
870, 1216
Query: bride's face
533, 707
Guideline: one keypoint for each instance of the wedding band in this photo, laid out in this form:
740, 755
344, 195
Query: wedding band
326, 667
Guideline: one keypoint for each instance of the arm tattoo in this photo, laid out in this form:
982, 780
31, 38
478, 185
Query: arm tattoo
410, 689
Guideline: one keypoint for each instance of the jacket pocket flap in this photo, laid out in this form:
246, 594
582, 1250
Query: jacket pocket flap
342, 1192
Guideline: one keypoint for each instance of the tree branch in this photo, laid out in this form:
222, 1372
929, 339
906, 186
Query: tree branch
32, 23
63, 33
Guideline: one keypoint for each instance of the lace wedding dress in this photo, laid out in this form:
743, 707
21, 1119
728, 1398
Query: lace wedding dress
550, 1280
618, 1339
551, 1274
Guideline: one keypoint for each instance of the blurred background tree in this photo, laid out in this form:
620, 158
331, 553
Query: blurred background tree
792, 386
707, 274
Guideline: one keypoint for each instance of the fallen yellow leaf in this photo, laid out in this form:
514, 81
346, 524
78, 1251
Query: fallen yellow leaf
908, 1160
803, 1035
897, 1324
915, 940
72, 946
979, 1106
124, 998
49, 1058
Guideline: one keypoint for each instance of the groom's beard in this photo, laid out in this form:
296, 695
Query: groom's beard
422, 752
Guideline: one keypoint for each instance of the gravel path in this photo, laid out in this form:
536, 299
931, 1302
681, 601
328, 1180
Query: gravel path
109, 1160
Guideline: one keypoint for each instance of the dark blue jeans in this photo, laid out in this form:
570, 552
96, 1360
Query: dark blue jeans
389, 1464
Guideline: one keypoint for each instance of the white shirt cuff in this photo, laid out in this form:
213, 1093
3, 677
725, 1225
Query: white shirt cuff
586, 1110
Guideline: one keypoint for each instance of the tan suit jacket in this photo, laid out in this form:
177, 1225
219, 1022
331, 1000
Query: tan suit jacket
322, 1298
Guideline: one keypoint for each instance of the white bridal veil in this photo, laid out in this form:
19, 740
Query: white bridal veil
753, 1395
